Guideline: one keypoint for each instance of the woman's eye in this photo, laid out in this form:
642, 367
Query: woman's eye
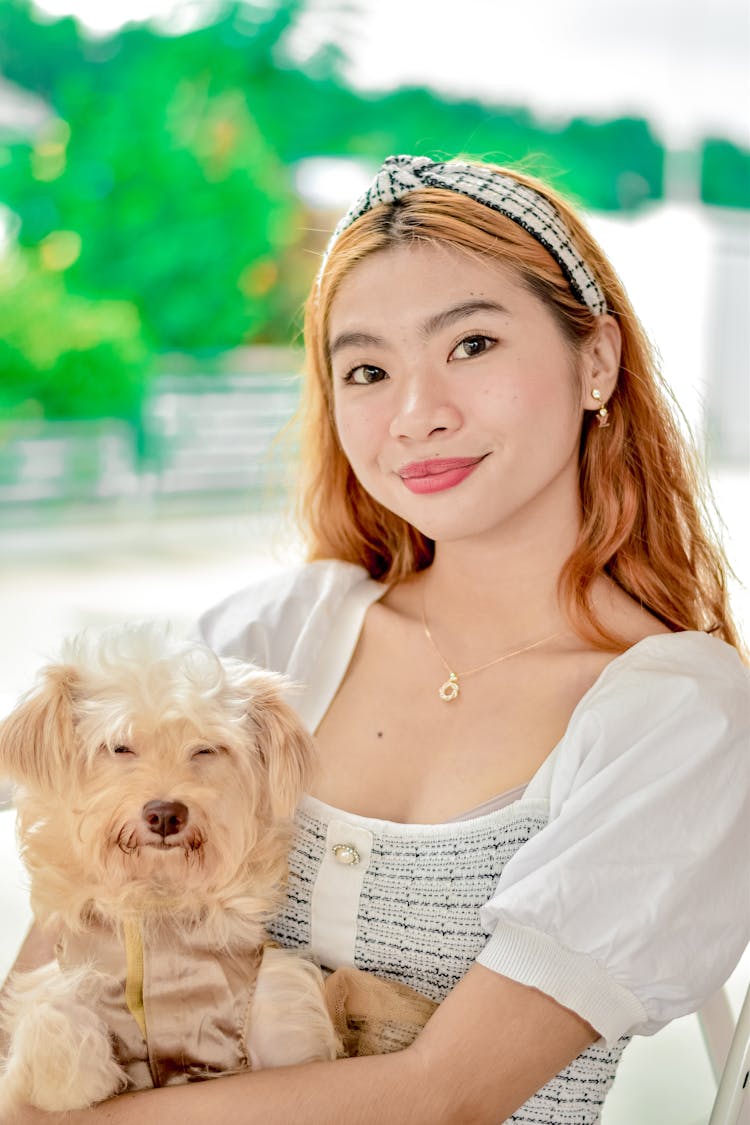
365, 374
472, 346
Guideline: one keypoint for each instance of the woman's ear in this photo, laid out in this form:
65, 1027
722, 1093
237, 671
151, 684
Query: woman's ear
602, 363
37, 740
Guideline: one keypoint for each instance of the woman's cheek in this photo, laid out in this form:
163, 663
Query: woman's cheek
353, 428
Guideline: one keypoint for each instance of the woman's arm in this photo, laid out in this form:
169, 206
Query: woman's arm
488, 1048
38, 949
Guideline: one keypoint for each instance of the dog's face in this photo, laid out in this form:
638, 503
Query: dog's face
151, 769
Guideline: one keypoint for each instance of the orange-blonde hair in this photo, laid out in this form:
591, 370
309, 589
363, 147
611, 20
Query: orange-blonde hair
643, 520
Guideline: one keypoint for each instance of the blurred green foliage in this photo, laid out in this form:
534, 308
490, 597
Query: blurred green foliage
155, 206
608, 165
725, 174
62, 354
156, 163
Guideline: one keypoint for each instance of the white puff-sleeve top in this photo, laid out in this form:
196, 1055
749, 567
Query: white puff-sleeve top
616, 884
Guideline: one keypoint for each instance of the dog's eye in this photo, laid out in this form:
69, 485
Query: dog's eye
122, 750
204, 750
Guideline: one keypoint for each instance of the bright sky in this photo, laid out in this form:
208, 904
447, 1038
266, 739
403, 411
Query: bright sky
685, 64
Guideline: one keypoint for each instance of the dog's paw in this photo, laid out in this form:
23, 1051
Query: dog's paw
288, 1021
60, 1055
56, 1066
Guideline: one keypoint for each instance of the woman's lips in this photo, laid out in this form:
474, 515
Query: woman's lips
438, 474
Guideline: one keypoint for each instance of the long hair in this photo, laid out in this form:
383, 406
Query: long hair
644, 521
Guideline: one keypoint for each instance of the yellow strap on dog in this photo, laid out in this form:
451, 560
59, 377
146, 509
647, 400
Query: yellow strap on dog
134, 973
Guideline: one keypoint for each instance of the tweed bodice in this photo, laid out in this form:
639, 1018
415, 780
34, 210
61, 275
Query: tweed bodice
408, 908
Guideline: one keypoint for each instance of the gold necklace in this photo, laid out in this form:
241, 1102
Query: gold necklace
451, 688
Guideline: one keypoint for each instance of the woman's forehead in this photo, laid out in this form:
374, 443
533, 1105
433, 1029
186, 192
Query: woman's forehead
417, 279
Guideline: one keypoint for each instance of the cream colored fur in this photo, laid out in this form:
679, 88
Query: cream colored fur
119, 722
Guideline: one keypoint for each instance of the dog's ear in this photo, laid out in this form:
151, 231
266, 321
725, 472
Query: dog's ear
285, 747
37, 739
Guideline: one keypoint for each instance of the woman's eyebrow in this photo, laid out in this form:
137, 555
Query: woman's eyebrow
428, 327
458, 312
354, 340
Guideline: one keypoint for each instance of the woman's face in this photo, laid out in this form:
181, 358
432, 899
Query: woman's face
457, 399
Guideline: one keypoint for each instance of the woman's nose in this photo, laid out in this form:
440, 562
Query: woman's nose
423, 408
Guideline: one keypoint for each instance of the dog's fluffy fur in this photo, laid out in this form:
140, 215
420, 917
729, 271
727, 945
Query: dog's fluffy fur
121, 721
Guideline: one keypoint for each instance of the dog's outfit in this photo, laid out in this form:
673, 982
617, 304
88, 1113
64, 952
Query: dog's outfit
177, 1011
610, 883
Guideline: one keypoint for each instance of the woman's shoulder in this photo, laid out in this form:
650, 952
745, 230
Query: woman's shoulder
667, 664
638, 869
262, 621
670, 700
674, 681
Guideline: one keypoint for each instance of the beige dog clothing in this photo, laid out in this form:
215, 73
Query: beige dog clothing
177, 1011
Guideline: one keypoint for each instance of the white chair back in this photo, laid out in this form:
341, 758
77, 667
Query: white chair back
730, 1057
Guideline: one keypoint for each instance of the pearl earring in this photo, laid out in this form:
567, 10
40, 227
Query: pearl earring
602, 414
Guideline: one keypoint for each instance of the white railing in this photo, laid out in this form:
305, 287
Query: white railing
199, 434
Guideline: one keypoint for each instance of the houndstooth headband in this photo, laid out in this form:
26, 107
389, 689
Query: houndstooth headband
400, 175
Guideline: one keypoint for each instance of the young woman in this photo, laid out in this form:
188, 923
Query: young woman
513, 644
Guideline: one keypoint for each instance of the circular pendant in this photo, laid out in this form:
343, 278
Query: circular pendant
450, 689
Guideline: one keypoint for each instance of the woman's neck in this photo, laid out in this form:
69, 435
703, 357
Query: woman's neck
513, 605
510, 571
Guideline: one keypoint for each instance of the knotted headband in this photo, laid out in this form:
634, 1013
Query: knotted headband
400, 175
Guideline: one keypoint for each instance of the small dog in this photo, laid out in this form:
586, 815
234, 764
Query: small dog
158, 784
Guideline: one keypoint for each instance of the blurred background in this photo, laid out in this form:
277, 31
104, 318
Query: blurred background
169, 174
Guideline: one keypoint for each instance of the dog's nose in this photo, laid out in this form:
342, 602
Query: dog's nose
165, 817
